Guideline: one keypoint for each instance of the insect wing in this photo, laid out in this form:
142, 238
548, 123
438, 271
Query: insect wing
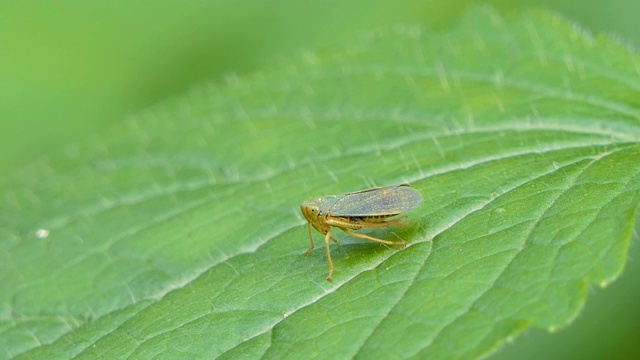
389, 200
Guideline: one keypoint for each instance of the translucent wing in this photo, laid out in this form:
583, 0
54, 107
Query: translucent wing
389, 200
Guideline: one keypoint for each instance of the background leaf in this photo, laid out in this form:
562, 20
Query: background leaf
178, 234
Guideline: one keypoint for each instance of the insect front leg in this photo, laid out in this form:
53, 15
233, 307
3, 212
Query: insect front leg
328, 246
310, 239
367, 237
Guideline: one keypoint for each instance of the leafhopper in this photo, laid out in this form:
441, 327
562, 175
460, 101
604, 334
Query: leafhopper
365, 209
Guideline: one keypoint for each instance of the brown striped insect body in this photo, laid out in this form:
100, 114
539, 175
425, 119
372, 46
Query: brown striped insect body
366, 209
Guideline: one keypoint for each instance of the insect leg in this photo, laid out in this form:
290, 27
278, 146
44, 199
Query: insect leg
310, 239
327, 244
367, 237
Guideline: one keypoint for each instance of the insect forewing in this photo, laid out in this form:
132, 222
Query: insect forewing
389, 200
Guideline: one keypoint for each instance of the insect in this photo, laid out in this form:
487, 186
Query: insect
365, 209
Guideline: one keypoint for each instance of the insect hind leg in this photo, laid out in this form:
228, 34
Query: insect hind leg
367, 237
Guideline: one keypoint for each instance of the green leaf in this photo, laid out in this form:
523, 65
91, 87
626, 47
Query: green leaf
179, 233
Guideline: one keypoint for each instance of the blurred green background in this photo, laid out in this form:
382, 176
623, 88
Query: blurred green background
69, 70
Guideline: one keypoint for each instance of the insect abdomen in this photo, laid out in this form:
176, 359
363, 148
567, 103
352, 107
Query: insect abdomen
373, 219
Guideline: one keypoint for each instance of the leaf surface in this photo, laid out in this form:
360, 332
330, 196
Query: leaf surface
179, 234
